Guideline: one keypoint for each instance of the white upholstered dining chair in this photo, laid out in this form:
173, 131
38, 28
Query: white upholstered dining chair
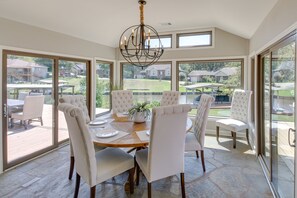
170, 98
122, 100
165, 155
80, 102
195, 139
93, 167
32, 109
238, 121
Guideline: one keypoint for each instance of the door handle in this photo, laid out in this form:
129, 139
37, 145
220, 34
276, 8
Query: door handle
5, 110
291, 143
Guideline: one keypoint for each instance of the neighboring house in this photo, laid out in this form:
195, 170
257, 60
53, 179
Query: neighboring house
158, 72
79, 69
225, 73
102, 72
20, 71
198, 75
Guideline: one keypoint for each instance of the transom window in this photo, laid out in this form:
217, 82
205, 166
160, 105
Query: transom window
166, 41
198, 39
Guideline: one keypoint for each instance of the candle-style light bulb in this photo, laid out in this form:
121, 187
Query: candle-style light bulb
125, 40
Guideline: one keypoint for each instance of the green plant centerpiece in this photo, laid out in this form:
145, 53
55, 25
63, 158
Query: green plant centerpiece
140, 112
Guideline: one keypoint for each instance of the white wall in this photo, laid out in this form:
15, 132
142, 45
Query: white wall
282, 17
225, 45
19, 35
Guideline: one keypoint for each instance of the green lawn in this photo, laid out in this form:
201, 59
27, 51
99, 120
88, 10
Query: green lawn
149, 85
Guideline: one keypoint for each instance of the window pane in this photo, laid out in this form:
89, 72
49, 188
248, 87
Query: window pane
29, 76
166, 42
148, 83
103, 83
72, 81
216, 78
190, 40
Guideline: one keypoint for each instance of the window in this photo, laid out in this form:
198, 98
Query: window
199, 39
104, 80
166, 41
217, 78
148, 83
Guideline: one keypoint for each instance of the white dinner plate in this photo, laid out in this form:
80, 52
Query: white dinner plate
106, 134
97, 122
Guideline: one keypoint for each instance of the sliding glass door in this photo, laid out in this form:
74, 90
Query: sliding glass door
32, 85
266, 145
278, 113
73, 78
28, 103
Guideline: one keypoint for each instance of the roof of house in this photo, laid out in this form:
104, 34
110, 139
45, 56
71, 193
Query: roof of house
17, 63
158, 67
228, 71
200, 73
286, 65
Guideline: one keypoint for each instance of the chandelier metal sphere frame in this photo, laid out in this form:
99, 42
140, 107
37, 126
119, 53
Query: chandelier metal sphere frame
135, 43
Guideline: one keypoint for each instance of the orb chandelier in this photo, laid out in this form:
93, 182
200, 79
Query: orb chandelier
135, 43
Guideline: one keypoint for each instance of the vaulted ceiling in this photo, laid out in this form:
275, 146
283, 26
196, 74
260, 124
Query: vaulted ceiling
103, 21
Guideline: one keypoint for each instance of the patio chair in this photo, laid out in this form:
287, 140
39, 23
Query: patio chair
195, 140
170, 98
22, 95
165, 155
238, 120
80, 102
93, 167
122, 101
33, 108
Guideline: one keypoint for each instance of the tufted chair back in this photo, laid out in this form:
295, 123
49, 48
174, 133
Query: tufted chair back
201, 117
170, 98
78, 101
80, 137
122, 100
166, 151
240, 105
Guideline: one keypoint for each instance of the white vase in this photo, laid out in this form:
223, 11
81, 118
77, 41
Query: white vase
139, 117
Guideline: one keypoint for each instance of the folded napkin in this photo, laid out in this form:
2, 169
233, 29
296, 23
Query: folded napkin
94, 131
143, 136
122, 115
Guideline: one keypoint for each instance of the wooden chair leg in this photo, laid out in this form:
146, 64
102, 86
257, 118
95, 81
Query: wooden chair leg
149, 190
71, 167
137, 174
231, 133
234, 139
25, 124
197, 154
131, 180
247, 136
218, 133
93, 192
12, 122
182, 183
41, 121
202, 160
77, 183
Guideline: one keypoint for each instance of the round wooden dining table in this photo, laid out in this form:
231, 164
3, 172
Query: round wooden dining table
132, 139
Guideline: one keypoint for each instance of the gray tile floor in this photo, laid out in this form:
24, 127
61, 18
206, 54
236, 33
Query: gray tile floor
229, 173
